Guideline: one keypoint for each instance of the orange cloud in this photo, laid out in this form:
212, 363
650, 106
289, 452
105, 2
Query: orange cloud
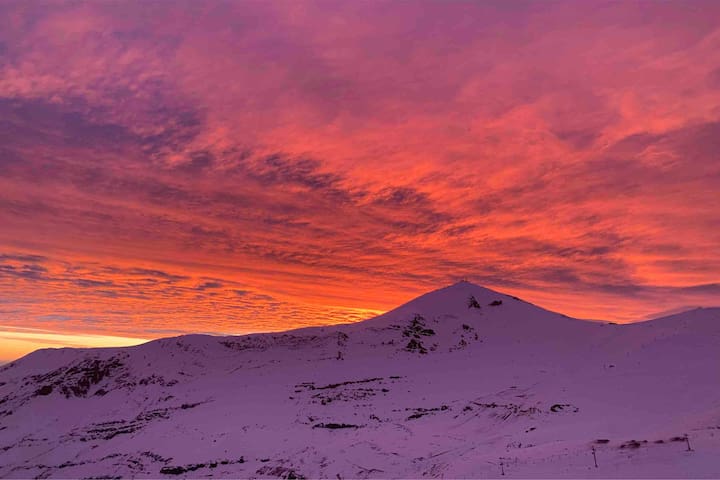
332, 160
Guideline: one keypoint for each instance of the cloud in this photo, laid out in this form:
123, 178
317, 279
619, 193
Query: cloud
208, 286
157, 162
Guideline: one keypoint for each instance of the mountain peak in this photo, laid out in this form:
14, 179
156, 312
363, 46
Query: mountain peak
454, 298
464, 287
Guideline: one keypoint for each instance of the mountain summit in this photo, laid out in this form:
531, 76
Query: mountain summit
460, 382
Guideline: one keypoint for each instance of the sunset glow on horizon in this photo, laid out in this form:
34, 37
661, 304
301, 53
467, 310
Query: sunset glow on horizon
235, 167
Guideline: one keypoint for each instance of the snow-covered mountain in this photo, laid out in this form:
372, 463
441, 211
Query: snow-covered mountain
461, 382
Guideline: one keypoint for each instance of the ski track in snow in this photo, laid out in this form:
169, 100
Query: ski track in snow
439, 387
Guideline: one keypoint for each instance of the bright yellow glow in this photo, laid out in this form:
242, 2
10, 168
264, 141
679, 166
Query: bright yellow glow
16, 342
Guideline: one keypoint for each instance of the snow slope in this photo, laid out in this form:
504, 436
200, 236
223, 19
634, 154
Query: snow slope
434, 388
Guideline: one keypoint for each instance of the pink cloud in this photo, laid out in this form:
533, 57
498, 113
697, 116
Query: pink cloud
346, 156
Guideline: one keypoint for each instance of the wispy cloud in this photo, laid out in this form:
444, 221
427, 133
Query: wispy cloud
157, 160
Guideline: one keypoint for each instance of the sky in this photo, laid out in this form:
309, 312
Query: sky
235, 167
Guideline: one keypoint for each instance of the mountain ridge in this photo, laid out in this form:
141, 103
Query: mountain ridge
462, 286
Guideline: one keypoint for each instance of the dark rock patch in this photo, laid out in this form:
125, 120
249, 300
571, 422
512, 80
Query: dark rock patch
335, 426
44, 390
